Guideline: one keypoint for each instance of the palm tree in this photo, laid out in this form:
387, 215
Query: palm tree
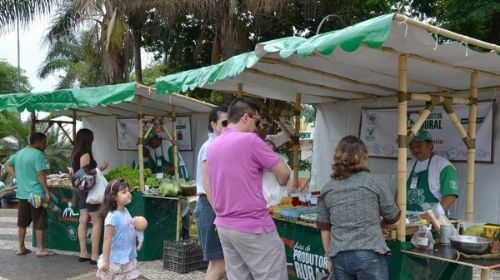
78, 56
24, 10
114, 43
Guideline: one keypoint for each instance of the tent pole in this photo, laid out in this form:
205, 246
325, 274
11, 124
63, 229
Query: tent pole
73, 123
239, 91
296, 143
429, 107
402, 144
447, 33
174, 143
33, 123
471, 152
448, 108
140, 156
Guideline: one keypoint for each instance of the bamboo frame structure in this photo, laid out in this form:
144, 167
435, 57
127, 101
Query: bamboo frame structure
296, 143
447, 33
73, 113
140, 156
174, 143
471, 151
239, 90
402, 144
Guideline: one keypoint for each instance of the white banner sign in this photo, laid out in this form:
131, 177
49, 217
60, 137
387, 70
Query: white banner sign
379, 131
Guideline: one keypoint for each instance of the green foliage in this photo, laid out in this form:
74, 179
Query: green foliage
77, 57
478, 19
130, 175
8, 79
151, 72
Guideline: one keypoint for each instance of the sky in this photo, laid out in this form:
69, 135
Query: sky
32, 52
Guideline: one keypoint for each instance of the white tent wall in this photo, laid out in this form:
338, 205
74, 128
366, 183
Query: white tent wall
334, 121
105, 142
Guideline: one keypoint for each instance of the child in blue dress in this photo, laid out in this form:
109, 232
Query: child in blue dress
119, 257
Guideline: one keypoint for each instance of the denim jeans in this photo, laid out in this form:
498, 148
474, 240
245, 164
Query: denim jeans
361, 265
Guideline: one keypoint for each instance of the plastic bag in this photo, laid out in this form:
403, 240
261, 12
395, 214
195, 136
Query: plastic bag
422, 238
96, 194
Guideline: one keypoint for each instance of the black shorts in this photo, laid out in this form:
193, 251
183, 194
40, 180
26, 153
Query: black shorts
81, 202
26, 213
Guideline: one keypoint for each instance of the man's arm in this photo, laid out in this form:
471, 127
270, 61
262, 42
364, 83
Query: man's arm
206, 182
282, 173
42, 178
447, 202
10, 170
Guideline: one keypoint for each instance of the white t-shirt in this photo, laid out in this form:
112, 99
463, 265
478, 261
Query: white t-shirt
438, 163
202, 156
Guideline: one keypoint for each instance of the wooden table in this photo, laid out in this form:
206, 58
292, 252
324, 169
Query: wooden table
449, 254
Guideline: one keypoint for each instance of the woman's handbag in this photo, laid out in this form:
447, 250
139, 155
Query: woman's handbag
96, 194
82, 181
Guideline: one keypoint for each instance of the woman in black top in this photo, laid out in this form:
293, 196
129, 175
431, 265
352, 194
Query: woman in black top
81, 157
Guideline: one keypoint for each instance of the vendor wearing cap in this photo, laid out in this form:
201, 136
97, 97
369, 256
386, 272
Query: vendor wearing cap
431, 179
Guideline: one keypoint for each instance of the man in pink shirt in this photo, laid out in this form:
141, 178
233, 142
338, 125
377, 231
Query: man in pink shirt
235, 163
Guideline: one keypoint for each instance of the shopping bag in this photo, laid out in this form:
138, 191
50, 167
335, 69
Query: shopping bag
96, 194
82, 181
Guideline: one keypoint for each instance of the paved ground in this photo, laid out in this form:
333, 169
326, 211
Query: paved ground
65, 265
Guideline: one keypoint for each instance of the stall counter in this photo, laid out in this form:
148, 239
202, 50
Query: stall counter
306, 259
163, 215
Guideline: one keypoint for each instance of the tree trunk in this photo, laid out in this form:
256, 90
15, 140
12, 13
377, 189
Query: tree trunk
494, 36
136, 39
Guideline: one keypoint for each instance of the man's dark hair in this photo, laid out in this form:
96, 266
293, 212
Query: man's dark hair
214, 116
239, 107
37, 137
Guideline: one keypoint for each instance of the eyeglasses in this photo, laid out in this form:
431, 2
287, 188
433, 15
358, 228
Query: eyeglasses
257, 120
224, 123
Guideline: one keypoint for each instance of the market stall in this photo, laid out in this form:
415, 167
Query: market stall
387, 61
104, 110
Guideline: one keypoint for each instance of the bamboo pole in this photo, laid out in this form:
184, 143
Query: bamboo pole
239, 91
174, 143
140, 140
471, 152
33, 123
447, 33
296, 143
73, 123
443, 64
402, 144
427, 97
448, 108
421, 119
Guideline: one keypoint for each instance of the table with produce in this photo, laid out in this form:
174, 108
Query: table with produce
162, 203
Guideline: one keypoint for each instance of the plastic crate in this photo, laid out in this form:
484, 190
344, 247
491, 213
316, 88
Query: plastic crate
183, 256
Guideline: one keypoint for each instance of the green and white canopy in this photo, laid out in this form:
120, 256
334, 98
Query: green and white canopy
119, 100
356, 63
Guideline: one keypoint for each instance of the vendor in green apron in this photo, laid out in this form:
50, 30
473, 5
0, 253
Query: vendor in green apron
432, 179
160, 157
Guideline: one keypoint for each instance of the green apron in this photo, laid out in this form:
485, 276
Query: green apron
419, 194
160, 163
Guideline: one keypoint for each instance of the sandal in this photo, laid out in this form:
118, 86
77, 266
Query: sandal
45, 254
24, 252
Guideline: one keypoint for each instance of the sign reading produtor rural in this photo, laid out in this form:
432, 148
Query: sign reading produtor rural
379, 131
